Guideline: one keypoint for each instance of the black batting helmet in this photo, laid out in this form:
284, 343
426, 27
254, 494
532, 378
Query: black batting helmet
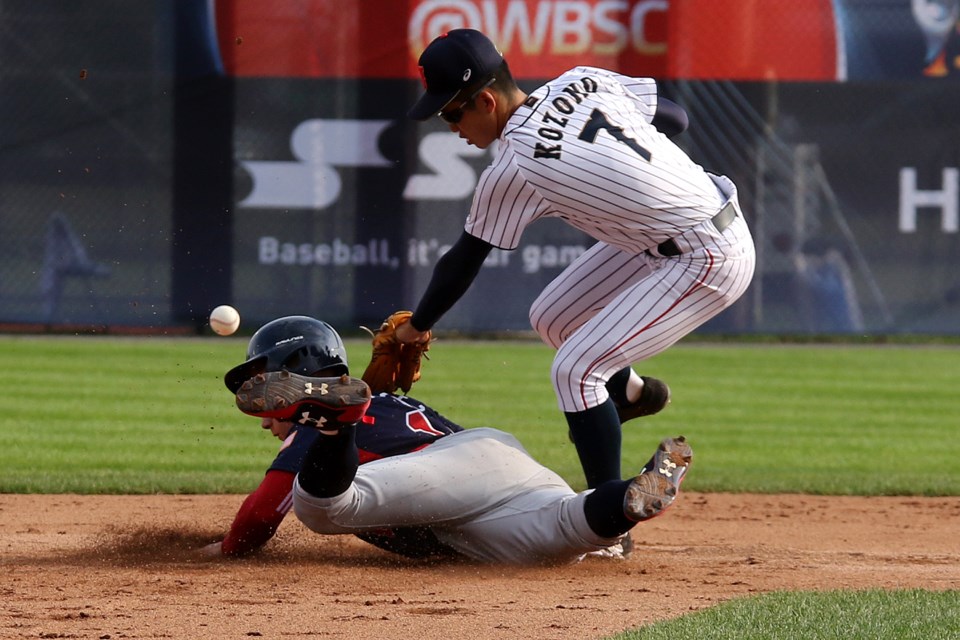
300, 344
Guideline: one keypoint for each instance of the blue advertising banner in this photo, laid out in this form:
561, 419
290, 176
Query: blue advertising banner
347, 217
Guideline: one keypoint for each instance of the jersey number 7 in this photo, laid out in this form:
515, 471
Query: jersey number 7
598, 120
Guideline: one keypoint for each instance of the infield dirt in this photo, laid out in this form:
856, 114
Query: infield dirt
126, 567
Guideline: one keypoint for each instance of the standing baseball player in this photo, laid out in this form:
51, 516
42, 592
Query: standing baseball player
590, 147
440, 491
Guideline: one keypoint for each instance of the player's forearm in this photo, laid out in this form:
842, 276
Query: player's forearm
454, 273
259, 515
248, 538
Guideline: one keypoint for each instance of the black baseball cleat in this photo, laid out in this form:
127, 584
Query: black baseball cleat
324, 403
653, 398
655, 489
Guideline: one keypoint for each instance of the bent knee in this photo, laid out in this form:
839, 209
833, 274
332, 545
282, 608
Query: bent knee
544, 322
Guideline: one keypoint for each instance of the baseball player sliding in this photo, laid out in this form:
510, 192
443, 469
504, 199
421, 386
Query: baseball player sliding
590, 147
393, 425
394, 472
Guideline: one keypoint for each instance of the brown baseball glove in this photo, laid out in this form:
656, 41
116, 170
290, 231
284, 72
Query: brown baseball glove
394, 364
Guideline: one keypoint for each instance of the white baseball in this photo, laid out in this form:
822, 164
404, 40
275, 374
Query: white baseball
224, 320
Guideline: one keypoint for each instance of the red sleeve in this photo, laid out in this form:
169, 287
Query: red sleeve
260, 514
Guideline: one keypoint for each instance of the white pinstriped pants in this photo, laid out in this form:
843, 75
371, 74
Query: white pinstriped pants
478, 490
610, 309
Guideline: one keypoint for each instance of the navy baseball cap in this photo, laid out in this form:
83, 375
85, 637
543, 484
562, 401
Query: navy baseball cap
452, 62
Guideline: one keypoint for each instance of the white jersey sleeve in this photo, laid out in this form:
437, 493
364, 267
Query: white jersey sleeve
582, 149
643, 89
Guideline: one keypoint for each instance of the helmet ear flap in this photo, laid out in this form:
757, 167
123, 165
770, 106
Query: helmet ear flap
243, 372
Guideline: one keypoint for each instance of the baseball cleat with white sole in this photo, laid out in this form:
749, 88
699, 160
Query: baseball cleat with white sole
323, 403
657, 486
622, 550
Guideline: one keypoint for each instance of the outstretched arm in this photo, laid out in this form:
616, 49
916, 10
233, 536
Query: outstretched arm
452, 276
258, 517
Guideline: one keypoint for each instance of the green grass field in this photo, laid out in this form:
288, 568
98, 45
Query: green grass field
835, 615
148, 415
151, 415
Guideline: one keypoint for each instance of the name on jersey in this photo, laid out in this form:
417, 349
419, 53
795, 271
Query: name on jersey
555, 122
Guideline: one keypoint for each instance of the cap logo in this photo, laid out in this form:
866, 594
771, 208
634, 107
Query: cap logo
467, 74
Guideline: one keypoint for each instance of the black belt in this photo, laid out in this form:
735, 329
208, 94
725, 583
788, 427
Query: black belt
669, 248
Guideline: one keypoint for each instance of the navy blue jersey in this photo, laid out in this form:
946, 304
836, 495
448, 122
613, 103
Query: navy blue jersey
392, 425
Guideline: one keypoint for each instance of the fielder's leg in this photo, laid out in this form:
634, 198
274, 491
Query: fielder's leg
616, 506
596, 435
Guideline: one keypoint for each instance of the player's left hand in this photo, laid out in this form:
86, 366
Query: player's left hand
407, 334
212, 551
395, 363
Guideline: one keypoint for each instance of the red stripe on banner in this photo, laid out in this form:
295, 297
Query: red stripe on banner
384, 38
741, 39
314, 38
753, 40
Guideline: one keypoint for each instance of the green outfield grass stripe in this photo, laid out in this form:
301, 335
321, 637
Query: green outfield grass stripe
146, 415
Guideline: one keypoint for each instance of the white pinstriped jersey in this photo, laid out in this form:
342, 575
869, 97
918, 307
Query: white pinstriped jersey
582, 149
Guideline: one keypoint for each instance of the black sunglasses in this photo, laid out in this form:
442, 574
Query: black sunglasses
455, 115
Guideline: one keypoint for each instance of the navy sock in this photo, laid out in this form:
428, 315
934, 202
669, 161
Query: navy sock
604, 509
330, 464
617, 386
596, 435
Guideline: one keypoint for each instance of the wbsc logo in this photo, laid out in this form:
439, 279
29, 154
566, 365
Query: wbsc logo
546, 27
